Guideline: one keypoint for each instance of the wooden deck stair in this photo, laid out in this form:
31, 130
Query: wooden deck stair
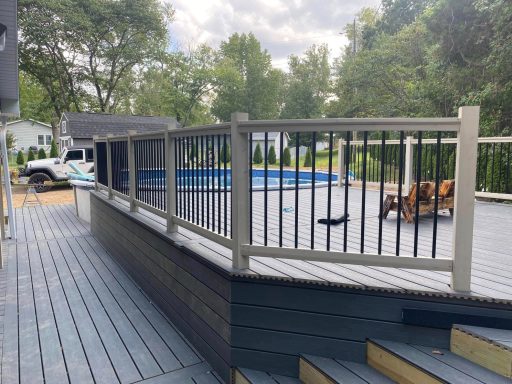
322, 370
488, 347
477, 355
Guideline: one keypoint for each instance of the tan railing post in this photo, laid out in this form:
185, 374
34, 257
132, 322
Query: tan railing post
109, 168
170, 164
94, 152
239, 190
464, 200
131, 170
341, 162
409, 154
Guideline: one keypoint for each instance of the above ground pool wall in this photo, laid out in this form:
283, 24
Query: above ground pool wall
265, 324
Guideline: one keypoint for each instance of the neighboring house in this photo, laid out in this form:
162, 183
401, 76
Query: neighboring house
273, 139
78, 128
30, 133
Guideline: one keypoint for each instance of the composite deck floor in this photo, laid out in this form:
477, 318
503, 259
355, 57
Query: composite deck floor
492, 242
73, 316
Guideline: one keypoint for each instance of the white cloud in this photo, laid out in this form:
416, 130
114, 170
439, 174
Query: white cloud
283, 27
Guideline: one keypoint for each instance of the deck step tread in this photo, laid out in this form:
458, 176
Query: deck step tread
501, 337
340, 371
261, 377
441, 363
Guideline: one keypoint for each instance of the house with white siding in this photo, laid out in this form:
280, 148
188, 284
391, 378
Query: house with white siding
30, 133
273, 139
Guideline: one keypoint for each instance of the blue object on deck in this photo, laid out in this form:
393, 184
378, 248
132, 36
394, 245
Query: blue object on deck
79, 174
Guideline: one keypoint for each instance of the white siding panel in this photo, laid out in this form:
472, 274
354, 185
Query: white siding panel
26, 133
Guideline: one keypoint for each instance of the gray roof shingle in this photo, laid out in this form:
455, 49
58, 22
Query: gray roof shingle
85, 125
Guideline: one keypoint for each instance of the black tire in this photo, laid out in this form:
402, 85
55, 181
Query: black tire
39, 179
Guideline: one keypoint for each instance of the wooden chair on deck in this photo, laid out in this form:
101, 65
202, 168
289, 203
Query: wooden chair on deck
408, 202
446, 195
427, 200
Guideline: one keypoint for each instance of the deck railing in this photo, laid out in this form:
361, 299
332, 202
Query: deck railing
493, 172
201, 179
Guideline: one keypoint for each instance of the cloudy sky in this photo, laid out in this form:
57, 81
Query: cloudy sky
283, 27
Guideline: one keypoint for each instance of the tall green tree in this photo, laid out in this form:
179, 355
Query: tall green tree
246, 80
177, 84
79, 51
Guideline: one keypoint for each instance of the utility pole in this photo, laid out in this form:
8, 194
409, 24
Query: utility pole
354, 51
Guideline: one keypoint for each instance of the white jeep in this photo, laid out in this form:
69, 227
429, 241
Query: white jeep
56, 169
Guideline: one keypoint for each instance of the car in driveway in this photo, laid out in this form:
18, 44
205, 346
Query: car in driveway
42, 172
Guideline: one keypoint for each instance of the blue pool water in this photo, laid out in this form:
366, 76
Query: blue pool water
153, 178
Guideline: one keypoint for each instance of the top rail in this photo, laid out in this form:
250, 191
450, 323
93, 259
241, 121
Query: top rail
352, 125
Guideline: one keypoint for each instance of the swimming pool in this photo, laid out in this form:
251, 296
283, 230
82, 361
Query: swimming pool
215, 179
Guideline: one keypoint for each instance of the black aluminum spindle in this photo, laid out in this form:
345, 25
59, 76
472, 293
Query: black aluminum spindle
297, 140
431, 171
363, 192
193, 151
250, 188
436, 195
214, 158
499, 168
265, 196
345, 203
225, 161
356, 147
202, 181
207, 143
329, 192
188, 180
492, 165
313, 182
418, 195
175, 170
281, 143
424, 167
219, 196
478, 166
381, 190
507, 176
400, 181
198, 184
486, 164
394, 163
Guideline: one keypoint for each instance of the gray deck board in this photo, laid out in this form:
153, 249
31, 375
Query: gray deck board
72, 315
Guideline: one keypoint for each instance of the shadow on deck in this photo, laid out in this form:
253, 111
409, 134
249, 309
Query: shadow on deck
72, 315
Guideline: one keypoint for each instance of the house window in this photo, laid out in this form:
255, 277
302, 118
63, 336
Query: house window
48, 139
63, 126
40, 139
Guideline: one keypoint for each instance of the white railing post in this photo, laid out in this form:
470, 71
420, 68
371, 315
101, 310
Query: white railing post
239, 191
341, 162
170, 164
409, 153
109, 168
131, 170
464, 200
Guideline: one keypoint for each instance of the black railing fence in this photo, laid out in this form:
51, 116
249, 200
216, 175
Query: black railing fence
493, 162
240, 186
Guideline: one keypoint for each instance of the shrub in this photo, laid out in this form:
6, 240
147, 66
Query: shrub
258, 157
54, 151
41, 154
272, 155
20, 159
287, 157
307, 160
228, 154
31, 156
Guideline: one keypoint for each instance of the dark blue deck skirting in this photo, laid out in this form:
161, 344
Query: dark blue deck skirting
265, 324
